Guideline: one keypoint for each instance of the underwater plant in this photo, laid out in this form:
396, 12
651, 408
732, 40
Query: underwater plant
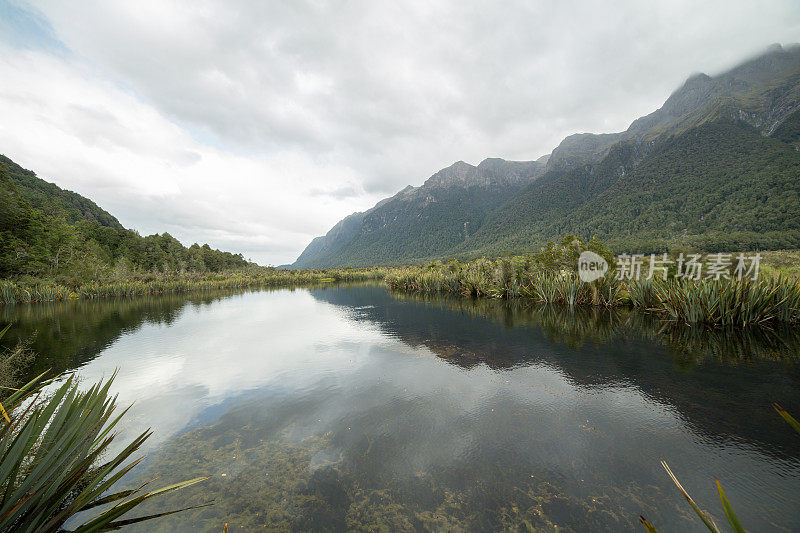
53, 463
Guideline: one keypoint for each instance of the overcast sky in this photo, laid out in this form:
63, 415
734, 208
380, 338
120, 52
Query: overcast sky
255, 126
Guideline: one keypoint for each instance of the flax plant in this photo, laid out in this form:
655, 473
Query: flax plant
727, 508
55, 461
710, 302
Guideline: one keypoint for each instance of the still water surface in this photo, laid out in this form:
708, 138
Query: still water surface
349, 407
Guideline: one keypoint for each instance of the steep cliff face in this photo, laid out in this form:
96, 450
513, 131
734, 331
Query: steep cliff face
761, 92
425, 220
714, 127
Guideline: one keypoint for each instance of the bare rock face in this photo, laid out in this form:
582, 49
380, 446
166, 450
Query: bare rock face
489, 173
458, 174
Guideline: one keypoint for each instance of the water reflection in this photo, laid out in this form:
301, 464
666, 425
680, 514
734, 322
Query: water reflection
351, 407
576, 327
724, 382
73, 332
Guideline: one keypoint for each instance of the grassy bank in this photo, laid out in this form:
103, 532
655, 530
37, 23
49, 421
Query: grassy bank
785, 263
577, 327
23, 291
711, 302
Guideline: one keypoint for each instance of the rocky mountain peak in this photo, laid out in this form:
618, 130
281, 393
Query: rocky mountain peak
760, 91
493, 164
457, 174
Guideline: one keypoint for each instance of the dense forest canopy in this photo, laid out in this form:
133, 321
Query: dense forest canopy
718, 187
47, 232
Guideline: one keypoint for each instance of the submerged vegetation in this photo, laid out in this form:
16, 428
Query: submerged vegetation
550, 277
54, 464
727, 508
293, 479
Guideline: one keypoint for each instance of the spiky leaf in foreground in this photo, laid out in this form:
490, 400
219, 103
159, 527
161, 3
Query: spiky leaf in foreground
789, 418
733, 520
647, 525
726, 506
702, 514
50, 468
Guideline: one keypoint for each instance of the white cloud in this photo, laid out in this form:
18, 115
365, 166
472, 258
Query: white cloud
235, 118
92, 137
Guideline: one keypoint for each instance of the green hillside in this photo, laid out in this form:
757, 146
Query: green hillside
49, 233
42, 194
418, 227
423, 221
720, 186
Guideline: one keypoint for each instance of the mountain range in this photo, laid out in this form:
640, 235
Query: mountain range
716, 168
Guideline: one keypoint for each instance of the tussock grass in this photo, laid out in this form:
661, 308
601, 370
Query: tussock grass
23, 292
728, 302
721, 302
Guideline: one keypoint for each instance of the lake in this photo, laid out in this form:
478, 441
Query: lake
351, 407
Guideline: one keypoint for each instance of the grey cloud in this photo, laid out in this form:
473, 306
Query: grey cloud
393, 92
443, 77
345, 191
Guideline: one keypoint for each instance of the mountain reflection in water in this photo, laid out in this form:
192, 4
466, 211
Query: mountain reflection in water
351, 407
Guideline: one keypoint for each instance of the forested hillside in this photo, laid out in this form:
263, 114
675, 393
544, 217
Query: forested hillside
42, 194
422, 221
720, 186
789, 130
716, 167
46, 232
